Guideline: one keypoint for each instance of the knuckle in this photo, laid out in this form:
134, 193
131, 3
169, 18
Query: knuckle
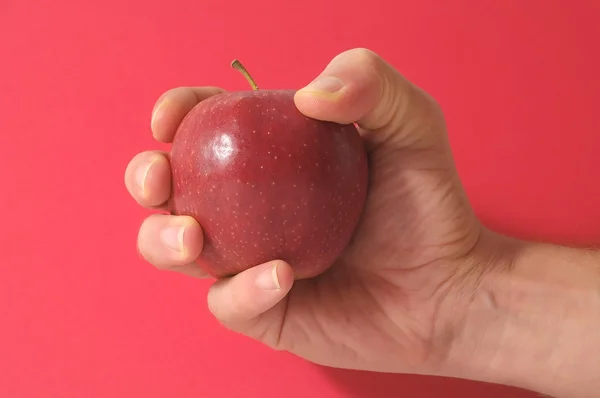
366, 57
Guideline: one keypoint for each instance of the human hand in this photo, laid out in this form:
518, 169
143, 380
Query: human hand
389, 302
401, 297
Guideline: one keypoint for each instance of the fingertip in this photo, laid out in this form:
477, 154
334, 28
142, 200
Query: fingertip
156, 186
318, 99
319, 105
169, 111
284, 274
326, 87
173, 106
348, 104
148, 178
250, 293
182, 237
193, 237
167, 241
348, 89
275, 275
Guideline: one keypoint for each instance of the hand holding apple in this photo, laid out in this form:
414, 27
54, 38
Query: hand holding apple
266, 182
400, 286
422, 287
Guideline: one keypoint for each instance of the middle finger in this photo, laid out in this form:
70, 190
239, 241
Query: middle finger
148, 178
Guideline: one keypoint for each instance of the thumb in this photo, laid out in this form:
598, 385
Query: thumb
358, 86
253, 302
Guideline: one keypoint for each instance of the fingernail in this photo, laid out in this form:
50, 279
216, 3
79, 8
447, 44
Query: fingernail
141, 173
155, 114
172, 237
325, 84
268, 279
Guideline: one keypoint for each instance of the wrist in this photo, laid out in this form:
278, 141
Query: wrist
534, 319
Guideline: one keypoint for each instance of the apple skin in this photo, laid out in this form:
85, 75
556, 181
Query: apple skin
266, 182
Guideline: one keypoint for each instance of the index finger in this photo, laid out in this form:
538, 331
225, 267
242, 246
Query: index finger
173, 105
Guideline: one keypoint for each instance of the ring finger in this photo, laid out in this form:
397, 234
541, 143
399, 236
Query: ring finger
171, 242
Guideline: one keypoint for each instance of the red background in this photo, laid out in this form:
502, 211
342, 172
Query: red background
82, 316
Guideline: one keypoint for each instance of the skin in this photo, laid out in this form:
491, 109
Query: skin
424, 288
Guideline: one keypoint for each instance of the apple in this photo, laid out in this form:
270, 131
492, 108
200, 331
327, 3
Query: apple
266, 182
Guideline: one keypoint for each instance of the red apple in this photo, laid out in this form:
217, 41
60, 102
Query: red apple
266, 182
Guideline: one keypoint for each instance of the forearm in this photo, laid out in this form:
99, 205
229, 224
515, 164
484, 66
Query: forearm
534, 322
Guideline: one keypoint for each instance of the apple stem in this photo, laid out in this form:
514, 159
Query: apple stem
237, 65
